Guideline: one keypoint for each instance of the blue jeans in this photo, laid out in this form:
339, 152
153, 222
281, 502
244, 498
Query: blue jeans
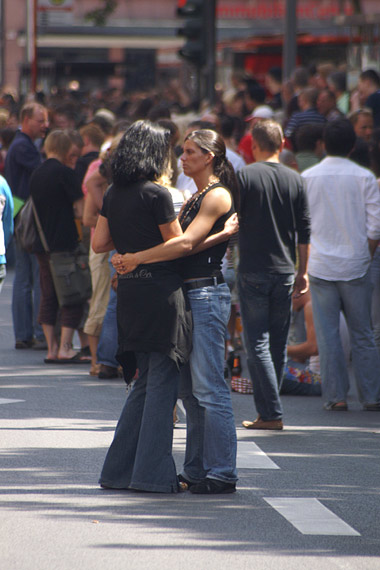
211, 433
3, 272
26, 296
374, 272
108, 340
140, 456
354, 298
265, 305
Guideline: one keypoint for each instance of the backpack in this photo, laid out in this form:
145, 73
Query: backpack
26, 231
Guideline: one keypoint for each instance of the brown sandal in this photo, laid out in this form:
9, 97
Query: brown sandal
337, 407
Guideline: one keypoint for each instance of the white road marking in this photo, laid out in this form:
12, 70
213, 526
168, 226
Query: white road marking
180, 406
309, 516
6, 401
250, 456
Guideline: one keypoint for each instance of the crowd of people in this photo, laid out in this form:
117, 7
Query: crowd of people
182, 212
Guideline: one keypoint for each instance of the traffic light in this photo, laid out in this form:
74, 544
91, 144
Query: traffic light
194, 49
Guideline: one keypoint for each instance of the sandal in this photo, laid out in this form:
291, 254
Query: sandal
336, 407
183, 481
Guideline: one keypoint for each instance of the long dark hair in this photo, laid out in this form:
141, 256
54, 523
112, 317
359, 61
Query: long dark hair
211, 141
142, 154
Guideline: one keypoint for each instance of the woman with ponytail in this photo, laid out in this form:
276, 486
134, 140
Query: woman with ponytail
207, 220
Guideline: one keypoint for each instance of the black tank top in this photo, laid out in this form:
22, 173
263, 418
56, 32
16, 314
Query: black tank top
207, 263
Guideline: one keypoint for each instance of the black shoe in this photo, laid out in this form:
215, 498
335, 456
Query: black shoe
85, 353
372, 407
108, 372
213, 487
24, 343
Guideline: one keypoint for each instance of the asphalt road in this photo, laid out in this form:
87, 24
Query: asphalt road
308, 497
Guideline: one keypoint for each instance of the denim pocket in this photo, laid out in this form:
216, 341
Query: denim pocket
199, 294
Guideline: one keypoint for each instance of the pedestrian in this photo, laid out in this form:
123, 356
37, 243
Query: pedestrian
154, 320
58, 199
307, 100
369, 93
362, 121
274, 218
345, 212
210, 460
21, 160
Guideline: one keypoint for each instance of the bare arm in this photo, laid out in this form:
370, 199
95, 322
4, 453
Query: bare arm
170, 230
90, 213
96, 186
231, 227
303, 351
102, 240
301, 284
78, 206
372, 245
216, 203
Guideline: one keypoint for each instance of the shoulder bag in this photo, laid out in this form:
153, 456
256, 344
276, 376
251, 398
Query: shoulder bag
26, 231
70, 271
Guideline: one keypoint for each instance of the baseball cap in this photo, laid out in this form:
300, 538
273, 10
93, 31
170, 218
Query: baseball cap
261, 112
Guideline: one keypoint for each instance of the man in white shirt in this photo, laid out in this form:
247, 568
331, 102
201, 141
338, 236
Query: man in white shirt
344, 203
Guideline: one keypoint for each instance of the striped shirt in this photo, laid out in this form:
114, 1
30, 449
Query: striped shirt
303, 118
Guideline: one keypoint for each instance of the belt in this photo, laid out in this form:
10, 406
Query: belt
204, 282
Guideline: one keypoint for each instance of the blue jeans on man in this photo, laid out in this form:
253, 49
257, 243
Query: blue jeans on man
26, 297
265, 305
354, 298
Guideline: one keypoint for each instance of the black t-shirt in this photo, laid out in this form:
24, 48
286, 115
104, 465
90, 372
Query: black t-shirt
152, 311
134, 214
83, 163
274, 214
373, 102
54, 187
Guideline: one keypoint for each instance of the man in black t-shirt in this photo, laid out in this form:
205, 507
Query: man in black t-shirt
369, 93
274, 223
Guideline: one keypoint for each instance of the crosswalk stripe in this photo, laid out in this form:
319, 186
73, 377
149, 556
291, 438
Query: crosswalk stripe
250, 456
7, 401
309, 516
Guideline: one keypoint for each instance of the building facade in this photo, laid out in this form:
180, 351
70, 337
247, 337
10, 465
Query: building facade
138, 43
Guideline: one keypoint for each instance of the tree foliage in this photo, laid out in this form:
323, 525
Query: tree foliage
100, 15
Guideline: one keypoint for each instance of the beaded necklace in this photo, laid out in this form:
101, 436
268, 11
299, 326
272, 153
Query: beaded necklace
194, 199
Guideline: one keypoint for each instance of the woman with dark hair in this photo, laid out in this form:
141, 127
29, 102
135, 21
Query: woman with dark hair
210, 461
154, 321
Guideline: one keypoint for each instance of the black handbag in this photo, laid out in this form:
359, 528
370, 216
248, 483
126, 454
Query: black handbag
70, 271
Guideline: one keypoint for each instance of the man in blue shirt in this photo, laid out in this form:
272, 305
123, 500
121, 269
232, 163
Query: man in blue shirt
22, 159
